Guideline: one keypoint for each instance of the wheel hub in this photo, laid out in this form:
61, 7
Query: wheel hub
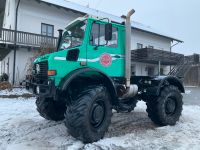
170, 106
97, 114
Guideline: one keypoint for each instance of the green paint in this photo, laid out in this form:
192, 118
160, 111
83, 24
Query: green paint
57, 61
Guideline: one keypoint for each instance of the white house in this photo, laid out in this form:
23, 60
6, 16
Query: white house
35, 19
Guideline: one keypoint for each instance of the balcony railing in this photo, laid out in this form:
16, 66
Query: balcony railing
148, 55
7, 36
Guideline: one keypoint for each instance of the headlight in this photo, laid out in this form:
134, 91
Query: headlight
37, 68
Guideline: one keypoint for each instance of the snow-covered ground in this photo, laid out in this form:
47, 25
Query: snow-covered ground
14, 91
21, 128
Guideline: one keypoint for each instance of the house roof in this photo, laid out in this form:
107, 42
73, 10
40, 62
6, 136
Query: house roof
94, 12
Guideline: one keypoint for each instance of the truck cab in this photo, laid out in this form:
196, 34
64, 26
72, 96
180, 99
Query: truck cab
83, 45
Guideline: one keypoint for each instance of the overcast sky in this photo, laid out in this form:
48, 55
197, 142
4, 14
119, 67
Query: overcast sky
178, 18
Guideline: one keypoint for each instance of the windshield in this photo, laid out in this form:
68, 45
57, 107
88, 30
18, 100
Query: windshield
73, 36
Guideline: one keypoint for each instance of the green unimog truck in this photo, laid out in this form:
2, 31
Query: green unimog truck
90, 74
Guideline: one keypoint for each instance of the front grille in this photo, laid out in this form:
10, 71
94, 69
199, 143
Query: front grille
40, 71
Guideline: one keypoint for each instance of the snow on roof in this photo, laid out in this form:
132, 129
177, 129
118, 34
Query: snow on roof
94, 12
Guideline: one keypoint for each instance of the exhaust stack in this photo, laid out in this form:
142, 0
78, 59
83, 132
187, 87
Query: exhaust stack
131, 90
128, 47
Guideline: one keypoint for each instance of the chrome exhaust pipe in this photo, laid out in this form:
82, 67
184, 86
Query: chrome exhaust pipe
131, 90
128, 48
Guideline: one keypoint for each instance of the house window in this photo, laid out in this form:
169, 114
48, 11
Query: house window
97, 36
47, 29
151, 47
139, 46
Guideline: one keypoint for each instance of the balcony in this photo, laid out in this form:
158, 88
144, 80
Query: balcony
153, 56
7, 37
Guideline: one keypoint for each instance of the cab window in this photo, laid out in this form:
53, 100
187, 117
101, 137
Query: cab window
97, 36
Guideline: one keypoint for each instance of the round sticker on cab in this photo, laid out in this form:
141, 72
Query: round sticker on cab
106, 59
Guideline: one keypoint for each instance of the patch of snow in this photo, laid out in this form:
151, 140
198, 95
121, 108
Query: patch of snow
190, 86
188, 91
14, 91
21, 128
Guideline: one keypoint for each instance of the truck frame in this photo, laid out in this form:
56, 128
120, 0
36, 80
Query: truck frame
90, 74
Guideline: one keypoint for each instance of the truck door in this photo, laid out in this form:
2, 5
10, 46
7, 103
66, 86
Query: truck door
105, 56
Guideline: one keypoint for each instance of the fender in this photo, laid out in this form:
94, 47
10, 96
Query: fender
169, 80
74, 74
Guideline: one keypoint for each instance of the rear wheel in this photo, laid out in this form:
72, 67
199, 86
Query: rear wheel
167, 108
50, 109
89, 116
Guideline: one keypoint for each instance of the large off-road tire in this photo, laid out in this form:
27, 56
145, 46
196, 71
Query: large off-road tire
89, 116
167, 108
50, 109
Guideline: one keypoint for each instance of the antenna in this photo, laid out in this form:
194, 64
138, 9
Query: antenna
88, 4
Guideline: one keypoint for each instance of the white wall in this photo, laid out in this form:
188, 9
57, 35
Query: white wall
9, 15
33, 13
148, 39
23, 56
23, 60
9, 71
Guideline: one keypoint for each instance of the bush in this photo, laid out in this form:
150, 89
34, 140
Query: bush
5, 85
4, 77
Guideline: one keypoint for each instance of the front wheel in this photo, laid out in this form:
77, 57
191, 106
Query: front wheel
50, 109
167, 108
89, 116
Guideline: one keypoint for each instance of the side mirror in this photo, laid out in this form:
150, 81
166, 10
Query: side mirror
108, 32
60, 31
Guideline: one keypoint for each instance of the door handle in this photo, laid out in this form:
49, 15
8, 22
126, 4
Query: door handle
96, 47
